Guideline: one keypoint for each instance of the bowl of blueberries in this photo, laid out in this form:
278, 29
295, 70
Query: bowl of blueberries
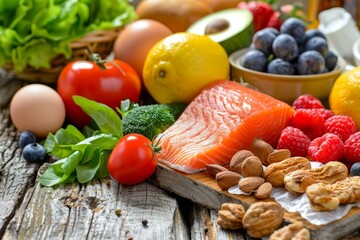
289, 62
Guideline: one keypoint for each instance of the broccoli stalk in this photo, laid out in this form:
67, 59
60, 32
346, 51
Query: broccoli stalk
151, 120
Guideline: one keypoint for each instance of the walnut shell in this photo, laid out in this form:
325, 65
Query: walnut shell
293, 231
299, 180
275, 173
230, 216
263, 218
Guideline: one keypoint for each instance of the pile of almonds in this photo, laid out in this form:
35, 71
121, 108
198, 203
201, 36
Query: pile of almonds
246, 169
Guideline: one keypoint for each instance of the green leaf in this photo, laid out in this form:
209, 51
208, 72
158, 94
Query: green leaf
51, 178
88, 154
101, 141
71, 162
86, 172
105, 117
103, 168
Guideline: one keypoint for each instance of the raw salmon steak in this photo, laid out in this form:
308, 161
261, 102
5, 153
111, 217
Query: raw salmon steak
223, 119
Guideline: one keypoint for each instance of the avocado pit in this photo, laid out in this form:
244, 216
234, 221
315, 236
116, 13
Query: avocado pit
216, 26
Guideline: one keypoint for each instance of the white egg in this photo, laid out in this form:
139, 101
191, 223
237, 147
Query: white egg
37, 108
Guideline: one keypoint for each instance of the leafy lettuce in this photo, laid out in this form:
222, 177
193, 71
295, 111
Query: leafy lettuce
33, 32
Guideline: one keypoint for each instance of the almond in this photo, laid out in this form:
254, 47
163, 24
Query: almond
250, 184
263, 191
252, 167
226, 179
261, 149
213, 169
237, 160
278, 156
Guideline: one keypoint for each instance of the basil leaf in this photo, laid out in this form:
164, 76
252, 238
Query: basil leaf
105, 117
86, 172
57, 166
101, 141
88, 154
71, 162
50, 178
103, 169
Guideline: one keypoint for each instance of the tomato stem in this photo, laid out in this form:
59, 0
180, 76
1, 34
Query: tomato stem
96, 58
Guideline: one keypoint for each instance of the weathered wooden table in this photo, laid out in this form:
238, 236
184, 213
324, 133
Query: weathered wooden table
101, 209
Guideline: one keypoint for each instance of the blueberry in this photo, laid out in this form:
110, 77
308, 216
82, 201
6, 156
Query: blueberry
263, 40
310, 62
331, 61
355, 169
318, 44
26, 137
313, 33
34, 152
285, 47
280, 66
255, 60
294, 27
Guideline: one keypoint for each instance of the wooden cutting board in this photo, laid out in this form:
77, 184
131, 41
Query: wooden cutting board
203, 189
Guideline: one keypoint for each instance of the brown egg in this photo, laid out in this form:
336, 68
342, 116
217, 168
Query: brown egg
37, 108
136, 39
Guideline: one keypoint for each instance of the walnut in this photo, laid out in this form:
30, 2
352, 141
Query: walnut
275, 173
294, 231
263, 218
299, 180
327, 197
230, 216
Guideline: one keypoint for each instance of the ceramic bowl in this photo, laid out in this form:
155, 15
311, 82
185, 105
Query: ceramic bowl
356, 52
285, 87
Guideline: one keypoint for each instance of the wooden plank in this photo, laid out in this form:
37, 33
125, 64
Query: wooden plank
101, 209
203, 189
16, 176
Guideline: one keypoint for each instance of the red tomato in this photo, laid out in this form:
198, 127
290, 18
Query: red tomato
132, 160
109, 86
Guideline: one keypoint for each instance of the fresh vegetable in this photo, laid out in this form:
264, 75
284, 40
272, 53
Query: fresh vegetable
108, 83
133, 159
32, 33
83, 156
150, 120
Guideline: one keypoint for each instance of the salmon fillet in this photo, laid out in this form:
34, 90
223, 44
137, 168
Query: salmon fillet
223, 119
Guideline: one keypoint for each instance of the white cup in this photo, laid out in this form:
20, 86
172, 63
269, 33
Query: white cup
340, 30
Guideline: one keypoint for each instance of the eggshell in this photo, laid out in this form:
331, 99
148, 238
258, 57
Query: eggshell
37, 108
136, 39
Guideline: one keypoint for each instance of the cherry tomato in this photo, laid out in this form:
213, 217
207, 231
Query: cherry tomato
132, 160
117, 82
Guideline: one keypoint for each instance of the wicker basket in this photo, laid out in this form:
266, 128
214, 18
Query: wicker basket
100, 41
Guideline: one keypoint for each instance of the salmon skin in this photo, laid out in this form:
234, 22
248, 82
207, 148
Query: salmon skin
223, 119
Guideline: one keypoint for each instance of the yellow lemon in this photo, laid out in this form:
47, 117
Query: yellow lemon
179, 66
344, 97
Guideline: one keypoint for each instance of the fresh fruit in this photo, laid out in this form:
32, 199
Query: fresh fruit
294, 27
116, 82
263, 40
26, 137
355, 169
307, 101
326, 148
280, 66
34, 152
177, 15
255, 60
344, 96
310, 62
310, 121
343, 126
37, 108
132, 160
136, 39
325, 113
318, 44
311, 33
261, 11
352, 148
331, 60
178, 67
223, 27
284, 12
285, 47
294, 140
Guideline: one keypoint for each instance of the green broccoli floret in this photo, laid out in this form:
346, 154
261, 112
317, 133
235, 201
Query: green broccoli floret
151, 120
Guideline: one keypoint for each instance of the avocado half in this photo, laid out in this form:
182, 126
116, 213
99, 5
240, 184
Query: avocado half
231, 28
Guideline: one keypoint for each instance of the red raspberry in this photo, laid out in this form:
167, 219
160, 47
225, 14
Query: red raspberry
352, 148
325, 113
310, 121
295, 140
341, 125
326, 148
307, 101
